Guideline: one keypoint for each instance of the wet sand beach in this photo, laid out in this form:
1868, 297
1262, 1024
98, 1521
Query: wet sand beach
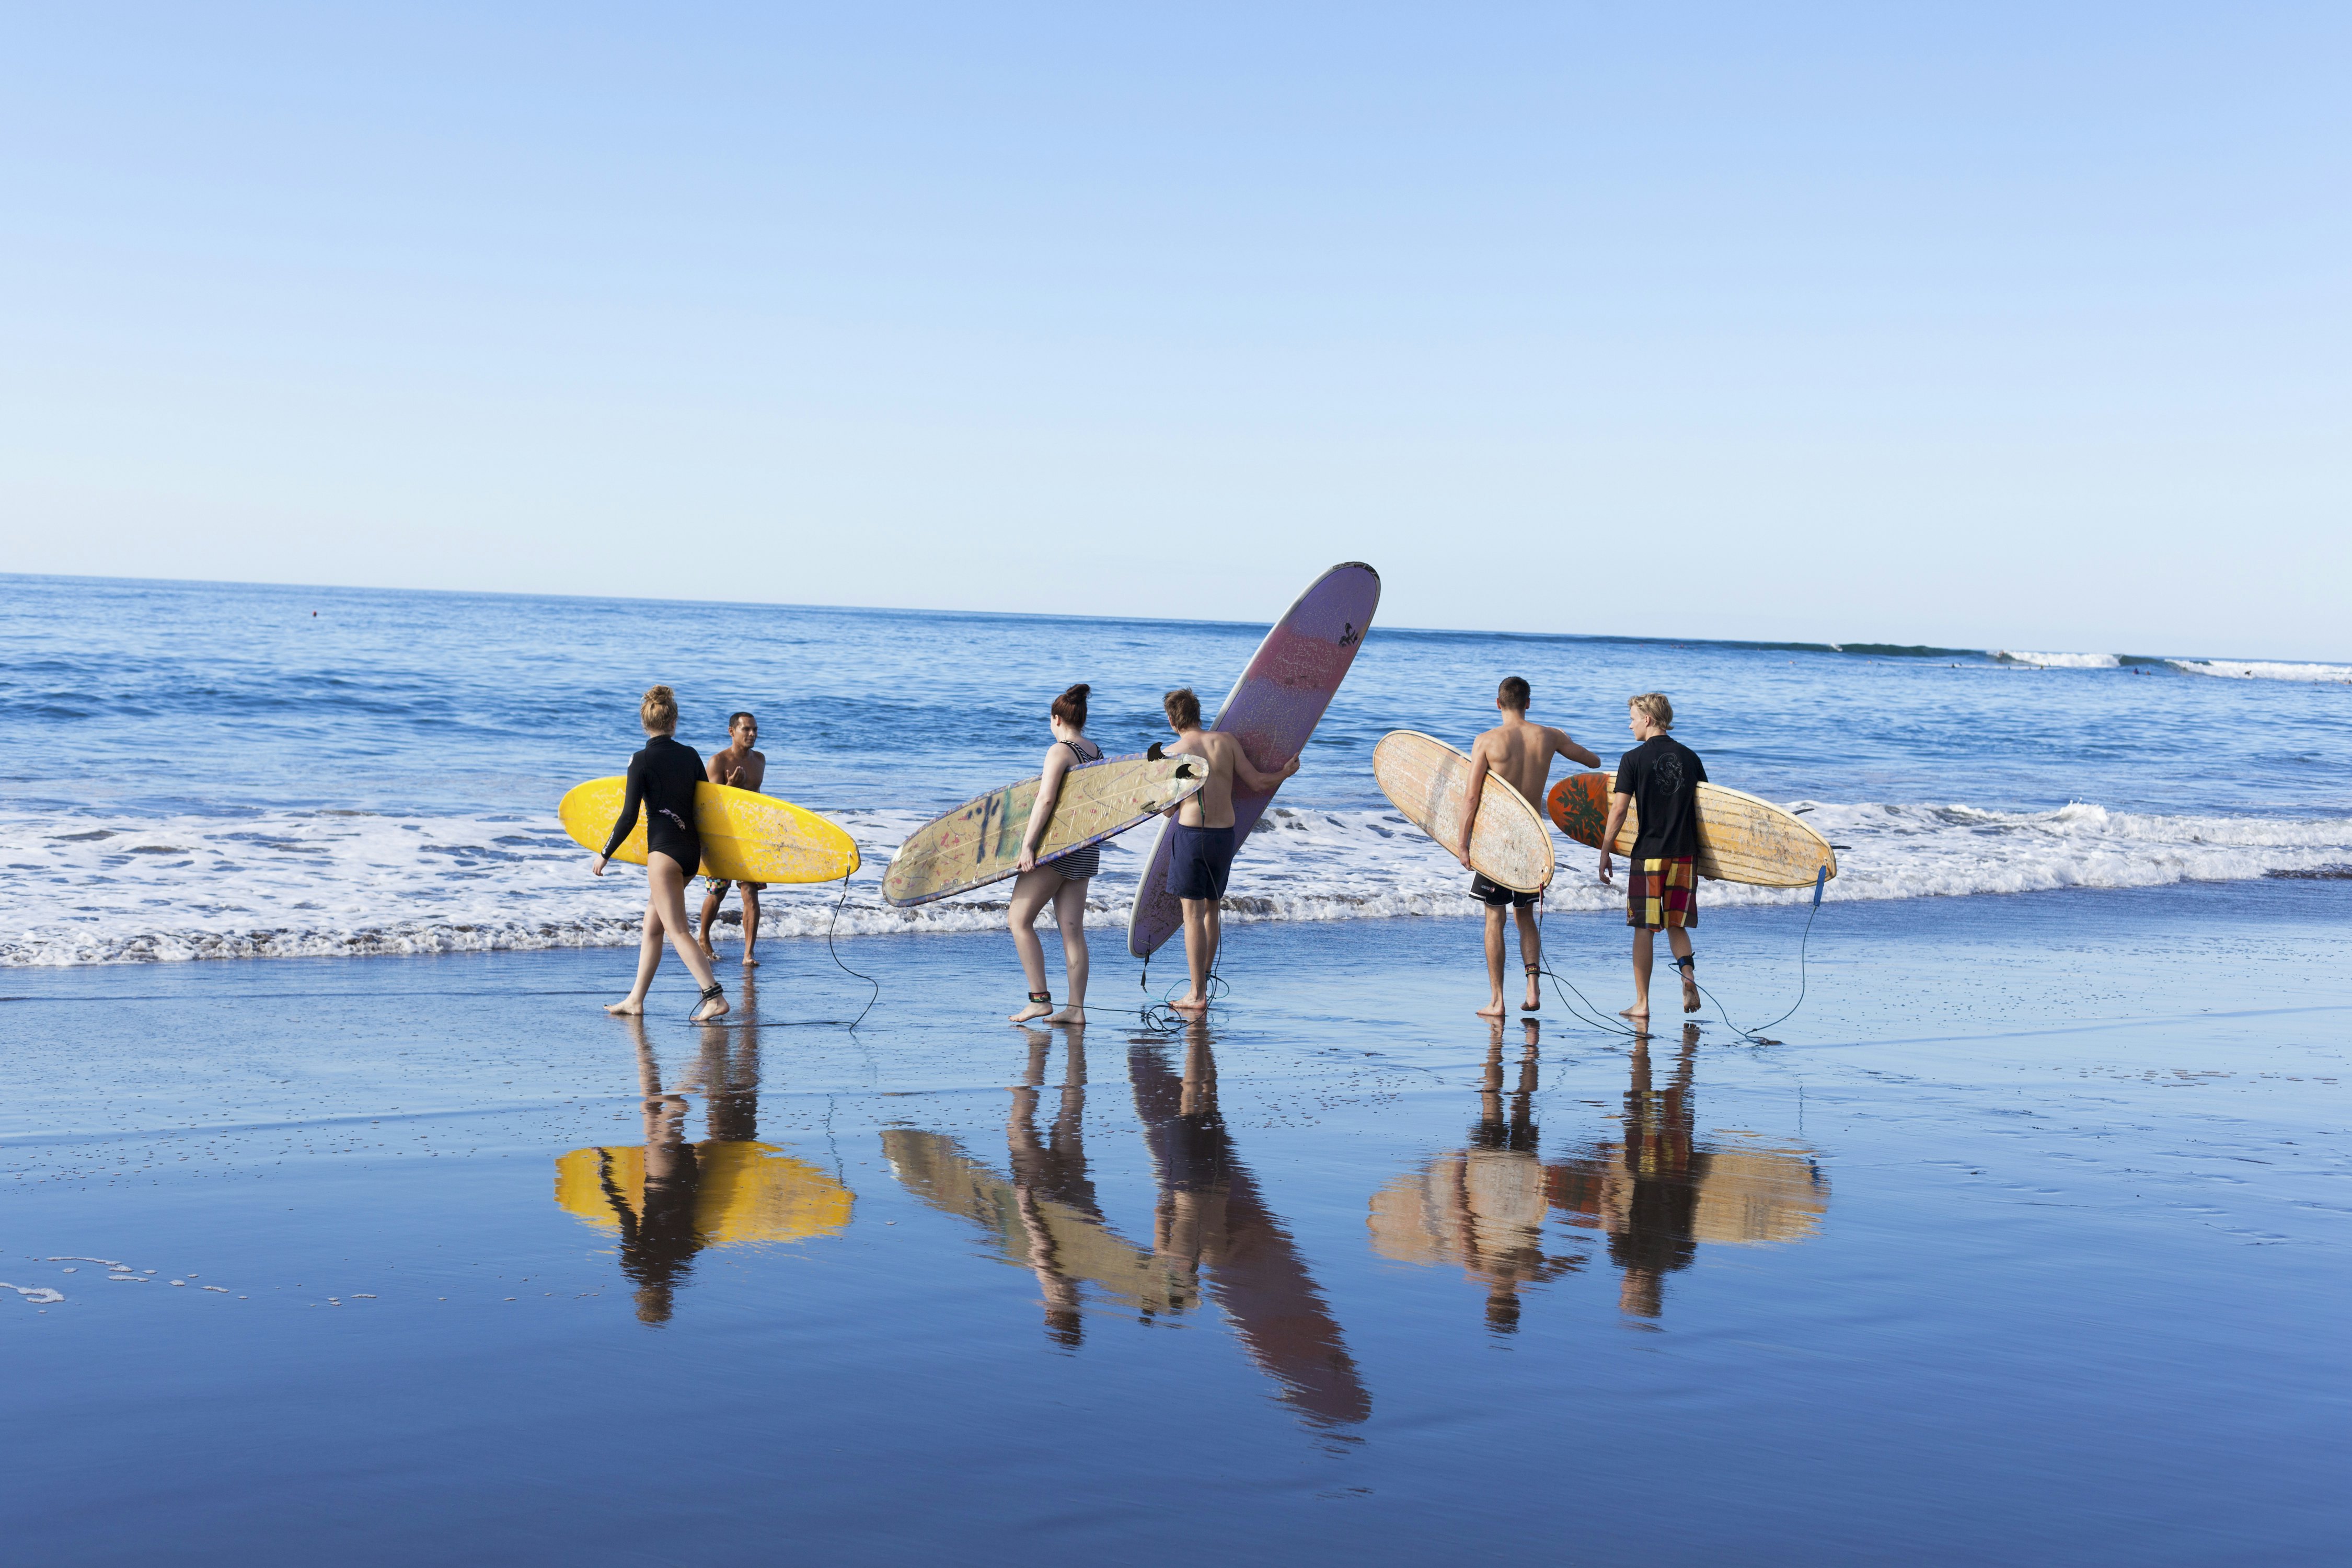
2029, 1240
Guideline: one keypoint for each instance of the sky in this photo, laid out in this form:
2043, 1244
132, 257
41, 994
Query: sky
1971, 325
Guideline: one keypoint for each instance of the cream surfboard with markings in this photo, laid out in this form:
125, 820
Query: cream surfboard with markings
980, 841
746, 837
1272, 711
1741, 838
1429, 781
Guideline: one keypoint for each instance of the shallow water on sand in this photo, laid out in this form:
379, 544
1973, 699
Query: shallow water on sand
2031, 1241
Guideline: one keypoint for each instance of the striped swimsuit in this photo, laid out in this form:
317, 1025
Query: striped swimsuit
1078, 865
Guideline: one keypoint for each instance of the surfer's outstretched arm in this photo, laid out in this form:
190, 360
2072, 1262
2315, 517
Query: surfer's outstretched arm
1565, 745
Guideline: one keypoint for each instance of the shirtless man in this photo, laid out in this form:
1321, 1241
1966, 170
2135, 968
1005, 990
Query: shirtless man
739, 765
1521, 753
1200, 848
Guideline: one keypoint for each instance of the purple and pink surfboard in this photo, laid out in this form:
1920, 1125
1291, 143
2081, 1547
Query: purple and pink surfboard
1272, 710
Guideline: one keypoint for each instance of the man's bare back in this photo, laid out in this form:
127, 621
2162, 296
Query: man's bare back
1521, 753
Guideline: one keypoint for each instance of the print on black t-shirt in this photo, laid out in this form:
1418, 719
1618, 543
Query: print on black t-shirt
1663, 775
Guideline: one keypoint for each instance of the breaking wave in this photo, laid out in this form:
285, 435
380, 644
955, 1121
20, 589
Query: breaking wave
300, 884
2059, 660
2244, 669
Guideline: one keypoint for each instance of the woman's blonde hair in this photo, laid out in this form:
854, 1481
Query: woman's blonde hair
1653, 706
658, 712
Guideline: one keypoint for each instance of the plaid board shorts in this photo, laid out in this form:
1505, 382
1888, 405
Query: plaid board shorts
1661, 893
718, 886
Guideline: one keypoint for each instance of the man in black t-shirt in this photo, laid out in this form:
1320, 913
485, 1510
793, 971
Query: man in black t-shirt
1658, 779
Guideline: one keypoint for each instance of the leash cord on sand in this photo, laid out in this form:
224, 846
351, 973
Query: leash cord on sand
1755, 1035
1162, 1017
869, 980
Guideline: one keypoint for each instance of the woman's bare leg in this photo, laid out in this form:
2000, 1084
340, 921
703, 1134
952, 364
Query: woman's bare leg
1031, 893
649, 947
1070, 915
666, 881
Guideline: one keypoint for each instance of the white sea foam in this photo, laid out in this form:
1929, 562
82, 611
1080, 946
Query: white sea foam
2243, 669
299, 884
2059, 660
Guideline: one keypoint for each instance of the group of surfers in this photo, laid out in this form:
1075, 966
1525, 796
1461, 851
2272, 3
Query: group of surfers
1657, 778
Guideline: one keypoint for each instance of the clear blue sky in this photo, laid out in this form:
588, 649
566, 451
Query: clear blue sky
2024, 326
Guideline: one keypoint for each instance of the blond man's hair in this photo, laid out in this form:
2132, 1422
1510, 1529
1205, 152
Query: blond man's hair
658, 712
1653, 706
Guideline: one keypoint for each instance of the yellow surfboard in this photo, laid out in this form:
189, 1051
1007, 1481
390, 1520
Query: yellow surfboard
746, 837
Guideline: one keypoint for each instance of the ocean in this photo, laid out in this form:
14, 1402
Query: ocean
203, 770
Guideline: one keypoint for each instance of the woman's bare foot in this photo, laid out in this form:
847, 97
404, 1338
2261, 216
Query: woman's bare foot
1072, 1013
1494, 1009
717, 1007
1193, 1005
1035, 1009
626, 1009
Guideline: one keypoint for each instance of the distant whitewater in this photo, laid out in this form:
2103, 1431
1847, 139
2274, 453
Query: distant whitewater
319, 883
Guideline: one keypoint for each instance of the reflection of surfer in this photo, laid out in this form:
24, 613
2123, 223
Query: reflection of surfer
738, 766
1521, 754
659, 1234
662, 777
1481, 1207
1212, 1220
1646, 1198
1201, 841
1052, 1169
1061, 881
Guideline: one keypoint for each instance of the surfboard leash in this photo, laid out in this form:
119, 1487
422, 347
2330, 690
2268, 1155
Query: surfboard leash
1754, 1036
869, 980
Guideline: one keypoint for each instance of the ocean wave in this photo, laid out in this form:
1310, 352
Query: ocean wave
90, 890
2059, 660
2256, 669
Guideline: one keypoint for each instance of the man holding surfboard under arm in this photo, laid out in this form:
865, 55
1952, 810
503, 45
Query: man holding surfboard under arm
1522, 753
738, 766
1200, 852
1662, 777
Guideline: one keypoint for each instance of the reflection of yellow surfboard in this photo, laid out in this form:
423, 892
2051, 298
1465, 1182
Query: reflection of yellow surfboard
746, 837
743, 1193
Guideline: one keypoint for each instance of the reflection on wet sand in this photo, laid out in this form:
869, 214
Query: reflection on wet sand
1658, 1193
1483, 1207
1212, 1232
668, 1199
1046, 1217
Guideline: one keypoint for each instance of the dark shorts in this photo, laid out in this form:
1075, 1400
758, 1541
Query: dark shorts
1661, 893
1199, 859
1495, 895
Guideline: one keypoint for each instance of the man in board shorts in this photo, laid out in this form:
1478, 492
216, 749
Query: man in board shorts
1661, 777
1201, 851
736, 764
1520, 753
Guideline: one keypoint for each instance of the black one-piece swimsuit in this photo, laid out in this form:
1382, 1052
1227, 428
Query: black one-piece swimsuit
662, 778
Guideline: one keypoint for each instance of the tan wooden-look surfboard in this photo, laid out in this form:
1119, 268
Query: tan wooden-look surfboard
1428, 780
1741, 838
980, 841
746, 837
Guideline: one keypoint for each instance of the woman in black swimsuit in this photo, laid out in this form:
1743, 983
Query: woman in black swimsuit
1061, 881
661, 780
